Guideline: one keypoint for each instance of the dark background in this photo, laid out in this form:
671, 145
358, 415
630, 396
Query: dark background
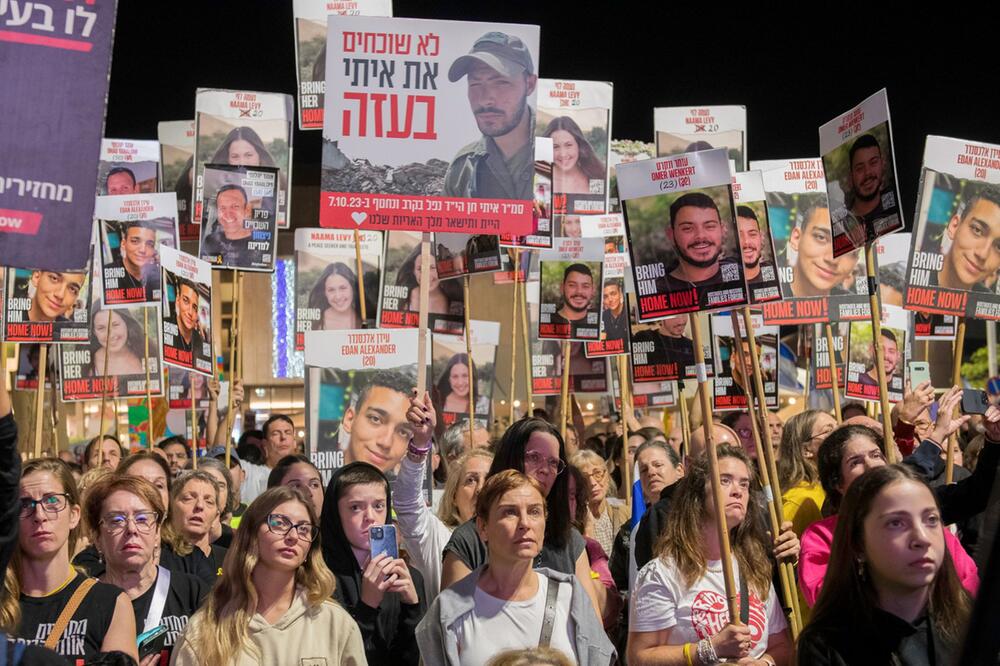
794, 67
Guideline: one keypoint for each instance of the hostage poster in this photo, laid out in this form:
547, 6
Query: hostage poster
542, 193
241, 128
400, 304
186, 311
453, 390
570, 306
614, 304
415, 134
131, 230
862, 373
327, 291
128, 167
755, 237
822, 377
956, 237
46, 306
624, 151
239, 229
733, 378
177, 165
310, 49
664, 350
358, 389
682, 234
55, 67
688, 129
464, 254
26, 377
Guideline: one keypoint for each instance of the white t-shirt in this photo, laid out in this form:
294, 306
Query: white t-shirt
661, 601
498, 624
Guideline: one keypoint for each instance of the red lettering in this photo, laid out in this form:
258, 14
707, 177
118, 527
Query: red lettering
390, 318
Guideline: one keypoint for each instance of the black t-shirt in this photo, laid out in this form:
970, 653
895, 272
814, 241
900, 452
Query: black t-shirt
185, 595
471, 551
85, 632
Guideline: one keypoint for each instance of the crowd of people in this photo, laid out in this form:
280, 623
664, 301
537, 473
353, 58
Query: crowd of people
531, 553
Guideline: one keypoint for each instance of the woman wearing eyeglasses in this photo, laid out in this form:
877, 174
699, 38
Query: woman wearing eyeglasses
802, 494
123, 515
272, 603
606, 518
533, 447
47, 601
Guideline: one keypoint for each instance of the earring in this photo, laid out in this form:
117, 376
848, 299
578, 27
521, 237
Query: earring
861, 568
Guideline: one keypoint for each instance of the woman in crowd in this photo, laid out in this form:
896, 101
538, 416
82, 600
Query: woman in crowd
608, 598
444, 297
574, 163
533, 447
221, 533
678, 612
195, 506
802, 494
454, 388
507, 603
125, 341
383, 595
297, 471
41, 582
425, 534
892, 594
272, 603
337, 297
106, 451
606, 518
123, 515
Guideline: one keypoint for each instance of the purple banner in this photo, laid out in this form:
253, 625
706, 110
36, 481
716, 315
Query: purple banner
55, 60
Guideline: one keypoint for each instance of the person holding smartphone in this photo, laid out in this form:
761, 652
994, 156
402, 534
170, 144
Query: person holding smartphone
383, 595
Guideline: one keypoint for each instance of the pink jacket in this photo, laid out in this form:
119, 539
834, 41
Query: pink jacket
818, 538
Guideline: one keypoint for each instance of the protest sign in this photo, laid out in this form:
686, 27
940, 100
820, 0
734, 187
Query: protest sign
953, 267
128, 167
731, 382
664, 350
351, 375
401, 289
407, 128
26, 377
186, 311
614, 305
177, 165
862, 374
822, 377
570, 307
526, 265
860, 173
327, 294
651, 395
545, 376
686, 129
755, 238
542, 199
131, 230
242, 128
182, 385
464, 254
452, 388
682, 234
309, 18
239, 229
586, 375
624, 151
45, 306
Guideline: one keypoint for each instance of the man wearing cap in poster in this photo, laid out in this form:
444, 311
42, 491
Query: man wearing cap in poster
500, 76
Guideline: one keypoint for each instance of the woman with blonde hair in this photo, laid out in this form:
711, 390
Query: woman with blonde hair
195, 506
802, 493
272, 603
606, 518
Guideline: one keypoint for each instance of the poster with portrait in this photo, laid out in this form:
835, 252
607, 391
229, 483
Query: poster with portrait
862, 373
400, 301
570, 305
586, 375
679, 214
860, 170
664, 350
131, 230
241, 128
450, 390
56, 66
408, 125
46, 306
466, 254
815, 286
624, 151
182, 385
650, 395
26, 376
545, 378
687, 129
755, 238
576, 115
358, 389
542, 201
309, 22
128, 166
954, 266
186, 311
822, 377
731, 377
239, 229
327, 292
527, 264
177, 168
614, 306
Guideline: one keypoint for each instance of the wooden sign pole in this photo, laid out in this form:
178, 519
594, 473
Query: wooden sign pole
832, 355
43, 363
564, 409
361, 284
685, 420
425, 290
149, 390
235, 341
513, 336
956, 379
876, 316
468, 358
194, 431
626, 412
526, 338
104, 385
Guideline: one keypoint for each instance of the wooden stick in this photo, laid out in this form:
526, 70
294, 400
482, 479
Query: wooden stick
685, 420
526, 337
956, 379
425, 291
149, 390
104, 385
236, 341
513, 337
194, 431
876, 316
468, 358
713, 466
626, 411
563, 415
832, 355
40, 398
361, 288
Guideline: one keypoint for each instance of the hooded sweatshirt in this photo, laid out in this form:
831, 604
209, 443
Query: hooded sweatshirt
389, 631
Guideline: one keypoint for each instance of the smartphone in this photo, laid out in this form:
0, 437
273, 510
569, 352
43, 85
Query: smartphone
383, 540
974, 401
152, 641
920, 372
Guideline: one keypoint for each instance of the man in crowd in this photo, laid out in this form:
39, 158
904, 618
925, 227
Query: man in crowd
279, 441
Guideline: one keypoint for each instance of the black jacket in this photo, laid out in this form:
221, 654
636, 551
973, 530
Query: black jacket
389, 631
10, 479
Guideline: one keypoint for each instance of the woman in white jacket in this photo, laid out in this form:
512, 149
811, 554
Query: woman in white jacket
424, 533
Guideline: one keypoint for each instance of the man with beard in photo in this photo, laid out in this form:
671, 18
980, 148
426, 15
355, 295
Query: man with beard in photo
750, 242
577, 295
696, 233
869, 200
